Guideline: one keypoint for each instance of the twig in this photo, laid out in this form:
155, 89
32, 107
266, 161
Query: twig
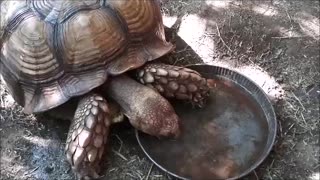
265, 54
33, 170
183, 50
305, 122
316, 167
113, 169
178, 60
293, 145
131, 161
291, 126
255, 174
149, 172
288, 37
224, 43
120, 155
298, 101
128, 174
291, 106
290, 19
271, 165
280, 129
139, 174
120, 141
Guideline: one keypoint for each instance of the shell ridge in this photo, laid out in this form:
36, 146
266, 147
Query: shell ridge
57, 46
76, 10
116, 14
59, 11
15, 20
87, 42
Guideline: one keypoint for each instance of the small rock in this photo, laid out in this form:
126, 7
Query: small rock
48, 169
279, 80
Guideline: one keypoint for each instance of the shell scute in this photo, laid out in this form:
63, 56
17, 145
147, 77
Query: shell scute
53, 50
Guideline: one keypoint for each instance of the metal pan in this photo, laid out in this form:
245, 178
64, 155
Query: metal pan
227, 139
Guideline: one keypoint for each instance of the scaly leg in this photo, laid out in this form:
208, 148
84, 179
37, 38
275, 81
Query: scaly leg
175, 82
88, 135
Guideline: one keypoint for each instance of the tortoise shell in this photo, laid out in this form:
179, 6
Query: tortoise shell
52, 50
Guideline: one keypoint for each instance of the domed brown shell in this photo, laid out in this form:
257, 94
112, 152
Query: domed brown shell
52, 50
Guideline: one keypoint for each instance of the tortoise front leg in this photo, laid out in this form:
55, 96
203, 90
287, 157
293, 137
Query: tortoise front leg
175, 82
88, 135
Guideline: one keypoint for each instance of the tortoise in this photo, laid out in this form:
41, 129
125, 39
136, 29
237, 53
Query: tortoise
102, 52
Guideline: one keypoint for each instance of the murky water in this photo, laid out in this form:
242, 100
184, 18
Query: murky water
219, 141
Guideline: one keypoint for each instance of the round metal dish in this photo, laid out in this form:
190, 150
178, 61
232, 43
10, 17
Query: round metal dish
226, 139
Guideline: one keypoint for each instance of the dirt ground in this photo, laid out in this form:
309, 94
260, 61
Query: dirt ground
275, 43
